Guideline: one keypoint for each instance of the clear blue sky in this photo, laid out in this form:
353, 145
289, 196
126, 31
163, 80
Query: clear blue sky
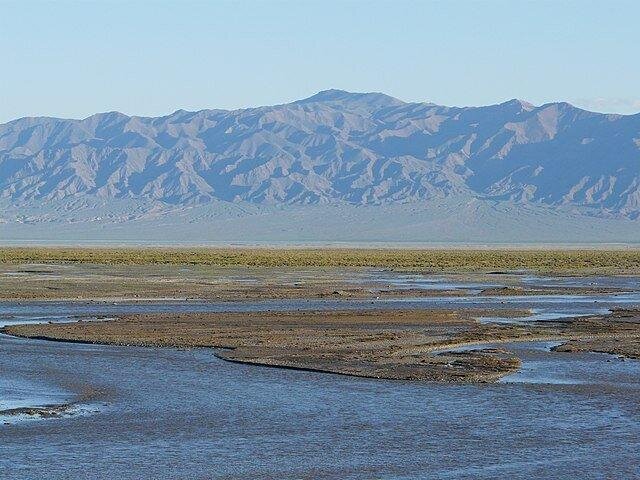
72, 59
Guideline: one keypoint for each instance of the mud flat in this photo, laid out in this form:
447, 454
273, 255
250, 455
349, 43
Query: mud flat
85, 281
139, 282
624, 341
401, 344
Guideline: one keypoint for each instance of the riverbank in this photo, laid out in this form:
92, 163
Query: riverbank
400, 344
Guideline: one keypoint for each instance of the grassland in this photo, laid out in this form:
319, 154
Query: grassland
620, 261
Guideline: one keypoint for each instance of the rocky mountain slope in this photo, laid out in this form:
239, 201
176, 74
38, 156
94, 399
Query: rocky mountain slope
334, 147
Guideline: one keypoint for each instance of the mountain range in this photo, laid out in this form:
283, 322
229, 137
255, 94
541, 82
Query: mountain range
334, 148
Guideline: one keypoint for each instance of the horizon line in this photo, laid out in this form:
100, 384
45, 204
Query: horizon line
512, 100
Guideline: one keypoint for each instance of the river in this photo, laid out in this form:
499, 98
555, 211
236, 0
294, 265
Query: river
170, 413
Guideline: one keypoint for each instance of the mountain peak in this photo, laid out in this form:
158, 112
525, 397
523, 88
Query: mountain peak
520, 104
336, 146
329, 95
371, 99
112, 114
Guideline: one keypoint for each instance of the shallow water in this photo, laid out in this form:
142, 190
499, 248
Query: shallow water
186, 414
403, 281
546, 315
15, 393
587, 304
630, 283
168, 413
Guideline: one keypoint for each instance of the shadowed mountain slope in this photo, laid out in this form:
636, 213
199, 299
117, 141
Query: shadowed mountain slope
334, 147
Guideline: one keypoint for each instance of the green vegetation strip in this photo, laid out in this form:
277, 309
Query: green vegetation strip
591, 261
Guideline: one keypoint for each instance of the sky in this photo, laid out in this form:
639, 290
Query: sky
74, 58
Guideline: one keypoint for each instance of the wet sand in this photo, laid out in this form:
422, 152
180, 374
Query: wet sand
400, 344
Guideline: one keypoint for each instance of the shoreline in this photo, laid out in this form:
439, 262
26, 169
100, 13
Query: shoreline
218, 352
371, 344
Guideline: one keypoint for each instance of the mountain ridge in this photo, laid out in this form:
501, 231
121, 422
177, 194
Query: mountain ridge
332, 147
317, 97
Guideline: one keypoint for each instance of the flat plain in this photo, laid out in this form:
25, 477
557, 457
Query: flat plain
398, 343
568, 261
